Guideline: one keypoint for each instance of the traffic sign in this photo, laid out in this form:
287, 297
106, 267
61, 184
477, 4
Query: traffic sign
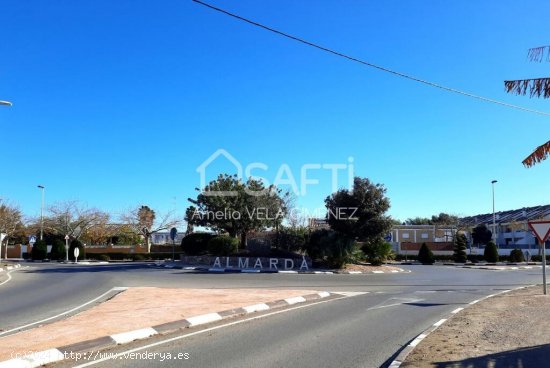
173, 233
541, 229
32, 240
76, 252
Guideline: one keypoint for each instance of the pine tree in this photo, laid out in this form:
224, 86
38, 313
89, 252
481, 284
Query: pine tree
425, 255
459, 255
491, 253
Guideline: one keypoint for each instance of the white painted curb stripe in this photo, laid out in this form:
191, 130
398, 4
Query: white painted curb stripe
354, 272
256, 308
9, 268
125, 337
417, 340
295, 300
34, 360
204, 318
250, 271
377, 271
324, 294
283, 271
475, 301
456, 310
440, 322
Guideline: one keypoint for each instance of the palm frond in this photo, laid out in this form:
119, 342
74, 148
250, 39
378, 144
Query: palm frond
539, 87
537, 53
540, 154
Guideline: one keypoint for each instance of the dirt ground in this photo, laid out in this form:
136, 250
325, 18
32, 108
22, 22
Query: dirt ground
368, 268
508, 330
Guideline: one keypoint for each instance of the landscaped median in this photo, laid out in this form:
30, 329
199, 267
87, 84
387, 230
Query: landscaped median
139, 313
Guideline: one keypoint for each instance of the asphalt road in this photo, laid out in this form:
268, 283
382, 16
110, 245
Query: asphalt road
360, 331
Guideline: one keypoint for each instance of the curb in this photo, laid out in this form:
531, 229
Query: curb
402, 356
9, 268
501, 268
40, 358
256, 270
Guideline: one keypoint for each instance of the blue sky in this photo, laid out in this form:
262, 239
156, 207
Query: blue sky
117, 103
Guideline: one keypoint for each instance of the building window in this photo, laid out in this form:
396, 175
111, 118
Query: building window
424, 236
405, 236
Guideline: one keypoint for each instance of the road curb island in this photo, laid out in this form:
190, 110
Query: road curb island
9, 268
257, 270
404, 353
53, 355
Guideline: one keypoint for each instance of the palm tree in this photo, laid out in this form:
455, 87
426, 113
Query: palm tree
537, 87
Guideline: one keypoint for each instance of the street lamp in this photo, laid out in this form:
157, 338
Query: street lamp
41, 187
5, 103
67, 248
494, 217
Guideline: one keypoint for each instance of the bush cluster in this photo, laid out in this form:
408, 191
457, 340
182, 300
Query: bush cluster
425, 255
378, 252
222, 245
491, 252
516, 255
196, 244
39, 250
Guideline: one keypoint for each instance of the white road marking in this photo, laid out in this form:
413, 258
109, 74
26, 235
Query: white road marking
63, 313
204, 318
126, 337
397, 303
295, 300
256, 308
9, 278
440, 322
417, 340
206, 330
35, 359
456, 310
350, 293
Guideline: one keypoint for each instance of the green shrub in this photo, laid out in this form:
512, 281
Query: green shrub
516, 255
76, 244
104, 257
292, 239
378, 252
425, 255
39, 250
58, 250
316, 247
491, 252
196, 244
459, 255
222, 245
331, 248
139, 257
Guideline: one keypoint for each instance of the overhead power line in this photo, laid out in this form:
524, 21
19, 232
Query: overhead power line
384, 69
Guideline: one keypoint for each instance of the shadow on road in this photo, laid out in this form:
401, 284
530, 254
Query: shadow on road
87, 268
536, 356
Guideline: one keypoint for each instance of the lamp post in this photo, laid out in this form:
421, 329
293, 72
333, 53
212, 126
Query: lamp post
41, 187
67, 248
5, 103
494, 217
